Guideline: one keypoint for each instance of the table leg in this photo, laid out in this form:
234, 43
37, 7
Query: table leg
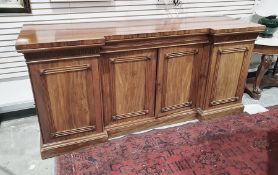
275, 67
255, 90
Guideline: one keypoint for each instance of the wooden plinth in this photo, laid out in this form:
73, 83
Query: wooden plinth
65, 146
220, 112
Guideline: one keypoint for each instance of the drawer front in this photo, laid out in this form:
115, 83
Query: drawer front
176, 73
67, 95
130, 77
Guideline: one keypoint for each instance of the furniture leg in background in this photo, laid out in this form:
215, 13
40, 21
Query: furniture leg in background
254, 89
274, 73
254, 86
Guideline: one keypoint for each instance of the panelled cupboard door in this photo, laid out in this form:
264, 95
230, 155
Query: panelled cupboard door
68, 99
229, 67
131, 83
177, 68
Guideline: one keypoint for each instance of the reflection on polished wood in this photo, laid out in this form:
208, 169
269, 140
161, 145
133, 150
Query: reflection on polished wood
98, 80
89, 34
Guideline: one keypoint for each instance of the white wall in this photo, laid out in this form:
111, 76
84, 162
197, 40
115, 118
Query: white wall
12, 64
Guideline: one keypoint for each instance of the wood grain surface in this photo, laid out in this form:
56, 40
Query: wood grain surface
94, 81
87, 34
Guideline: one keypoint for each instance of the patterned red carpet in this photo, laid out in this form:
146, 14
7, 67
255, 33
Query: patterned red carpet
236, 145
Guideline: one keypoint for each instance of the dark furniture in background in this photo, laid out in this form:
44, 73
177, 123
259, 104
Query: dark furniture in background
255, 85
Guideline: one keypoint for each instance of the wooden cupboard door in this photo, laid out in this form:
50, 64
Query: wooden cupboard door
131, 85
176, 72
229, 69
68, 97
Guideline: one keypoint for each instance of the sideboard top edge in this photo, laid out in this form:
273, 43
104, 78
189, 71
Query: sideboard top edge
62, 36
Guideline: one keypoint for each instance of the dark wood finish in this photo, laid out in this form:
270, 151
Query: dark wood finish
105, 81
254, 86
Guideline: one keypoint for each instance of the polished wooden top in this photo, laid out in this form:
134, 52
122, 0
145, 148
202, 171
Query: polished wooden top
96, 34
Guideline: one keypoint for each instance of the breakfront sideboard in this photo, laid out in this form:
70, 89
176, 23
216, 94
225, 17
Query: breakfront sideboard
94, 81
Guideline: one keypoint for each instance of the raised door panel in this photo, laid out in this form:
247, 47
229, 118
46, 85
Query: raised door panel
176, 72
70, 93
130, 81
229, 73
132, 85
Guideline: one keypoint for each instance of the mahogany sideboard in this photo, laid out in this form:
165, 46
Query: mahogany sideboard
93, 81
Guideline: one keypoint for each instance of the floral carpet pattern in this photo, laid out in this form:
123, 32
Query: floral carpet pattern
235, 145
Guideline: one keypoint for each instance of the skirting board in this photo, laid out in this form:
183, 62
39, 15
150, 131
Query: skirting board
16, 95
17, 106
